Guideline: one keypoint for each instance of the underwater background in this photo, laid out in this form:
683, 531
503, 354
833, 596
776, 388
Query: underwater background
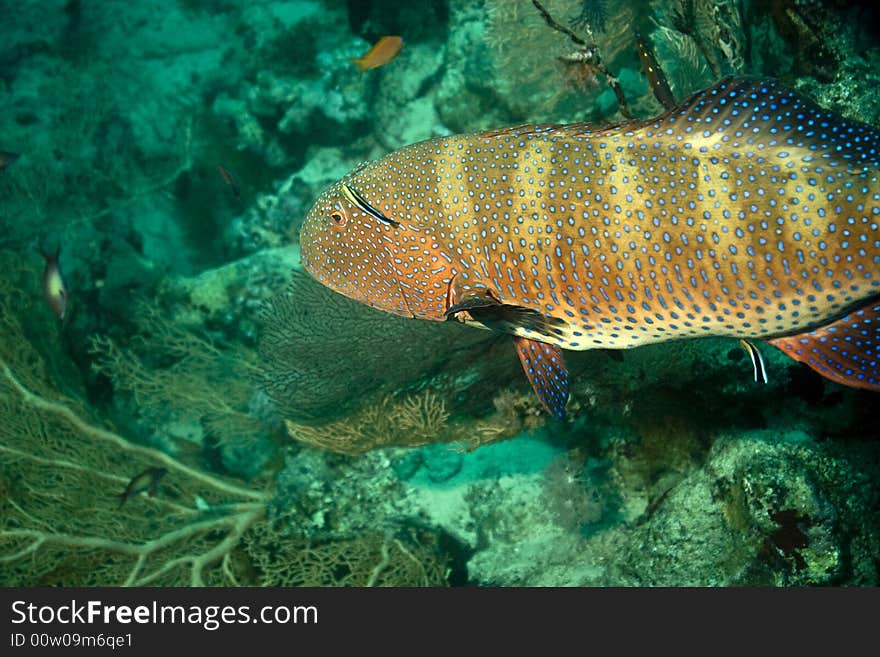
200, 411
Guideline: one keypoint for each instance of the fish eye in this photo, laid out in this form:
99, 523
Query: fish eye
338, 215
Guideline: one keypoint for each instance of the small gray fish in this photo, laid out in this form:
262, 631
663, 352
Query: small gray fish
148, 480
54, 288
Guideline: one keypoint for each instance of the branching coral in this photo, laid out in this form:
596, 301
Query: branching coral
535, 63
423, 415
419, 419
514, 28
61, 472
415, 382
689, 70
372, 559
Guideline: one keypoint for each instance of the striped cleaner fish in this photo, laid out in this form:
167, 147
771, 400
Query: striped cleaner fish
746, 211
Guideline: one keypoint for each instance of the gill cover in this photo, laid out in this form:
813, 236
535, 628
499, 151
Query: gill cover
344, 247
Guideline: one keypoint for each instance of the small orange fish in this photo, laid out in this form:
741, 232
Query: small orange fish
54, 288
7, 158
226, 174
383, 52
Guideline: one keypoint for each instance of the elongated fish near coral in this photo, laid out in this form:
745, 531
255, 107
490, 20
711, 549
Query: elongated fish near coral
746, 211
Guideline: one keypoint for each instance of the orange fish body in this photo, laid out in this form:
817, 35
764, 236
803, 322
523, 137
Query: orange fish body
746, 212
384, 50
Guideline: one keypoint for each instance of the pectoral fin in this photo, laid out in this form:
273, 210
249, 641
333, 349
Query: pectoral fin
480, 305
507, 318
520, 321
472, 302
545, 368
542, 361
462, 297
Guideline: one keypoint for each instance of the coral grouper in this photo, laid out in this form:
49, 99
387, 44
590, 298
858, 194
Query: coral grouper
746, 211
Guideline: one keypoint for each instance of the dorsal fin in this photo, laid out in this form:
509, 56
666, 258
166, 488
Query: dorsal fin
747, 113
757, 113
529, 130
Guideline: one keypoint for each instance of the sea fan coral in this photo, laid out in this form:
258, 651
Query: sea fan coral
312, 336
61, 472
172, 371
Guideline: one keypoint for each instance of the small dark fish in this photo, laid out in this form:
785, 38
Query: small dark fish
381, 53
226, 174
7, 158
148, 480
54, 288
655, 75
